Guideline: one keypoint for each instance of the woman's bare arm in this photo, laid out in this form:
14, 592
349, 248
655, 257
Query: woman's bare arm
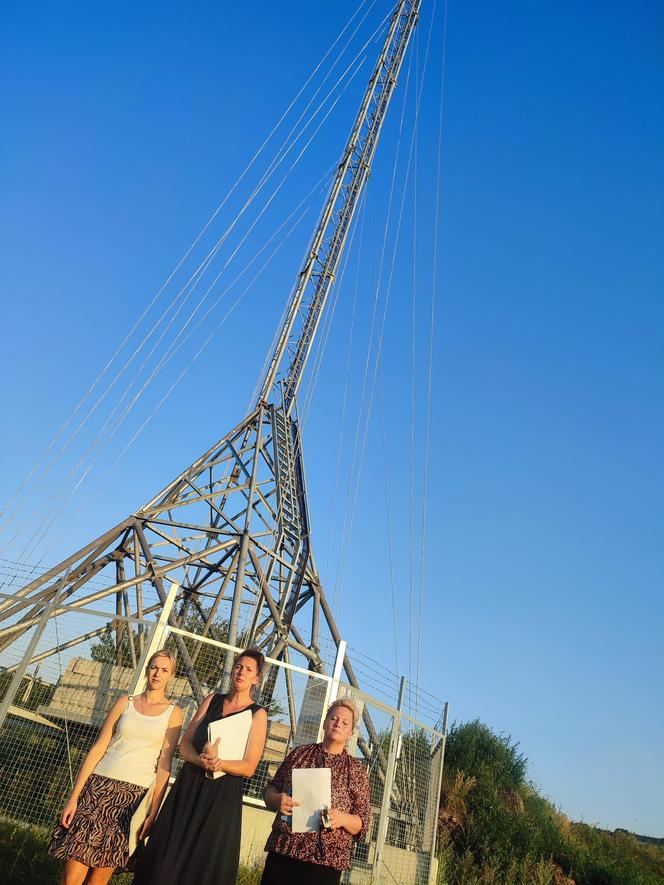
187, 749
164, 764
168, 750
92, 759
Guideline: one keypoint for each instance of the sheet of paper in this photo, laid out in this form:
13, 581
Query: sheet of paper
233, 733
312, 788
138, 819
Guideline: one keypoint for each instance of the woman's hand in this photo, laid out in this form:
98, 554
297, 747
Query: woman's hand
211, 749
144, 831
338, 819
210, 756
351, 823
287, 804
211, 763
68, 813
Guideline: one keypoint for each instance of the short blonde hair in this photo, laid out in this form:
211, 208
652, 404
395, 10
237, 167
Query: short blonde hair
162, 653
348, 704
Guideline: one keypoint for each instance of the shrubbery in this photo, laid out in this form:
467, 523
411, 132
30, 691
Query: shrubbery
496, 828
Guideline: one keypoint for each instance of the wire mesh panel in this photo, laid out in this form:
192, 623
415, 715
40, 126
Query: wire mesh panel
408, 852
295, 700
373, 746
404, 760
58, 682
56, 685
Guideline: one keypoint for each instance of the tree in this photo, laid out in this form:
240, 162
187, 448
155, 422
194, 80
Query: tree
208, 659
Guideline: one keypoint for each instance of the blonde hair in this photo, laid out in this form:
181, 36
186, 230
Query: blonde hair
348, 704
162, 653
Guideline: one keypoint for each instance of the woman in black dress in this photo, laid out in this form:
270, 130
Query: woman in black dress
196, 838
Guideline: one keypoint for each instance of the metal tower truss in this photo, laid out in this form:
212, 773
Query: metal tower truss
233, 529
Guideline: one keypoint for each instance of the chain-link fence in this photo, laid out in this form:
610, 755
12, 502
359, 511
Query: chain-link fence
59, 679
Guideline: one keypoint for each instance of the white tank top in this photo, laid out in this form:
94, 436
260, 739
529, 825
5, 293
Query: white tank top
134, 750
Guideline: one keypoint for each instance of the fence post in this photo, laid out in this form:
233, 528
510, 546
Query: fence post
440, 780
426, 863
332, 686
20, 671
157, 640
395, 740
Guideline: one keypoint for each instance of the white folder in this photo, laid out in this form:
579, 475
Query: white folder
233, 732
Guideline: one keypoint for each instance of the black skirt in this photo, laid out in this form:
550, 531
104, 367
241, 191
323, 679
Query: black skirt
196, 837
282, 870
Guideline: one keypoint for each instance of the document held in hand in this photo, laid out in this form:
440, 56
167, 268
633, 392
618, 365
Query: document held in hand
312, 788
233, 732
142, 811
138, 819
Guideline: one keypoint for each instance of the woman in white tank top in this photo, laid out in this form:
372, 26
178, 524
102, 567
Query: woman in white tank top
135, 749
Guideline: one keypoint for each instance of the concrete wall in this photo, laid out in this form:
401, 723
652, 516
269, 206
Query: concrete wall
87, 689
256, 826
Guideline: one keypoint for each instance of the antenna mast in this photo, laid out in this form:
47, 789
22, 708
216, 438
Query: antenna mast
322, 259
232, 530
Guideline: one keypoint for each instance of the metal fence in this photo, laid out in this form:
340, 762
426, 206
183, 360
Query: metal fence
60, 678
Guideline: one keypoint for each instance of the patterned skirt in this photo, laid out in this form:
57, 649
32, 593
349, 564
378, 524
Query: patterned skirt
98, 834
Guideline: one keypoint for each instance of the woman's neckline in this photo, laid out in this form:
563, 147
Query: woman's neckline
150, 715
329, 752
233, 712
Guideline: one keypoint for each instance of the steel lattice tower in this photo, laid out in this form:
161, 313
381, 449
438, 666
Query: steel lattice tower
232, 530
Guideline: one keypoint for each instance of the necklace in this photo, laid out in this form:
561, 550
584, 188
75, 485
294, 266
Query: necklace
145, 703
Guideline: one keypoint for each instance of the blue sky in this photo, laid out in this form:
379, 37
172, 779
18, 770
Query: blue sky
124, 126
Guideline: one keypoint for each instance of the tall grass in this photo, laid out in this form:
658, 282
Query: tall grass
25, 861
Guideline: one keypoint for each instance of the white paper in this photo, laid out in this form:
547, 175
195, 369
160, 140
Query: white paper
142, 811
233, 732
312, 788
138, 819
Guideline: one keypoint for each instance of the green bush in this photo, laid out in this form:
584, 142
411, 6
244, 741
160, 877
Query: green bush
599, 857
496, 828
493, 759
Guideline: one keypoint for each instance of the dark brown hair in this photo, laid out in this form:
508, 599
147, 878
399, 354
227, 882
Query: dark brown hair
258, 657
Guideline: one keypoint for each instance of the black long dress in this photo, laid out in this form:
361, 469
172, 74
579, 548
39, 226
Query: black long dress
196, 838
